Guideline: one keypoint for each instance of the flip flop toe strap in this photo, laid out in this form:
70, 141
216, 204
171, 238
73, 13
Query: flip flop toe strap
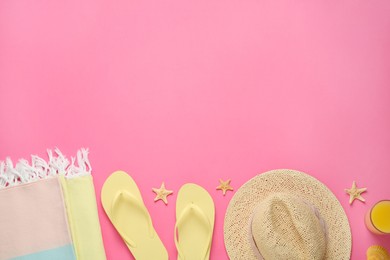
125, 195
193, 209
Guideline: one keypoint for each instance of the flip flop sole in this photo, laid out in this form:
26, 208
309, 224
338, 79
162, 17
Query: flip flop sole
130, 219
192, 233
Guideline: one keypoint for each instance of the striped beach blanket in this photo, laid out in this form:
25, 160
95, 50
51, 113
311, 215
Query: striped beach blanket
48, 209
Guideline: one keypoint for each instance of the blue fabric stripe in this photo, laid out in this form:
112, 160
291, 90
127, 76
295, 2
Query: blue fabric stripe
59, 253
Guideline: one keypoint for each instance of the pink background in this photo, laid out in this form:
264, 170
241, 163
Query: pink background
194, 91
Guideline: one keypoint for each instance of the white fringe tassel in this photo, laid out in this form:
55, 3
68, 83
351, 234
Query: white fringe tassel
58, 164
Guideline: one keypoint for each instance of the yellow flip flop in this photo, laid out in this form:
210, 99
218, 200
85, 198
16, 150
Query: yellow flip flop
123, 204
194, 227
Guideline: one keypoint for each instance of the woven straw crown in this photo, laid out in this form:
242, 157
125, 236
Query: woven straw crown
286, 214
286, 227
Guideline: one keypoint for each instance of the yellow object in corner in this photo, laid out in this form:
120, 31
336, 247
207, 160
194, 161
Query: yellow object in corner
377, 253
80, 201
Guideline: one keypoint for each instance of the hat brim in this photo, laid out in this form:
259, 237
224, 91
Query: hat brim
247, 197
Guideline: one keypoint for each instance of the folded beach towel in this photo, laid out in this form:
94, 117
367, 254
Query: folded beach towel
49, 209
82, 214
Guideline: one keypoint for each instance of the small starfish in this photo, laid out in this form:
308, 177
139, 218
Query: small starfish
224, 186
355, 193
162, 193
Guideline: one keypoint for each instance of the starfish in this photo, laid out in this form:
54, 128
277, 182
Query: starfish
162, 193
224, 186
355, 193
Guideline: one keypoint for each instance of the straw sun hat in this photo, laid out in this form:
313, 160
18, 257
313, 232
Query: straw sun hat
286, 214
